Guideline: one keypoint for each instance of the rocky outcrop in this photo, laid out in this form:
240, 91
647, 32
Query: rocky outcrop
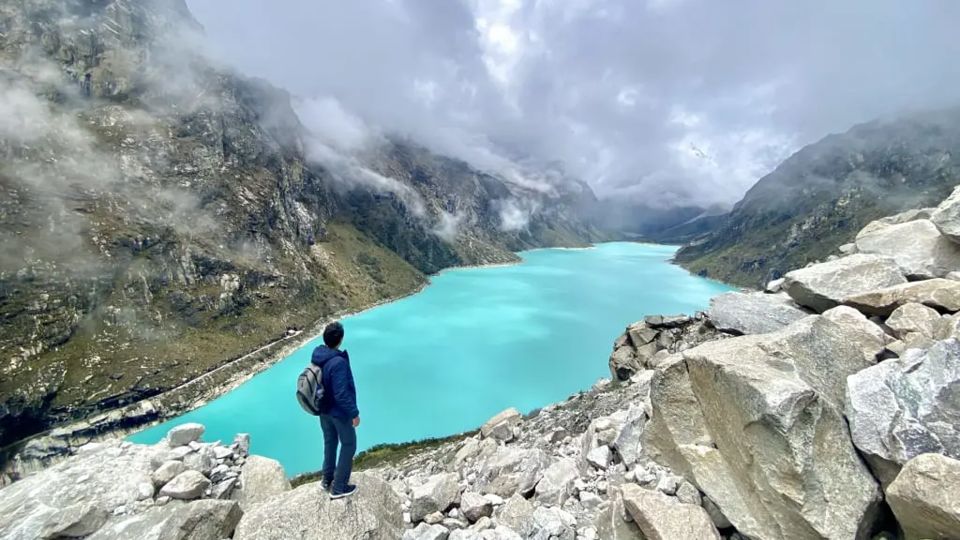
122, 490
947, 216
905, 407
940, 294
752, 313
918, 248
261, 478
307, 513
827, 285
501, 426
922, 499
661, 518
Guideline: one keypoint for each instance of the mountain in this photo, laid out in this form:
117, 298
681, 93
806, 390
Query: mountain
818, 198
827, 410
161, 215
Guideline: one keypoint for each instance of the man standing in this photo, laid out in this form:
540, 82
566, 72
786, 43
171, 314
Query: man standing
339, 415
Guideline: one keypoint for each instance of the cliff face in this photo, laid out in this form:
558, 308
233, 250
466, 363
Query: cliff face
820, 197
159, 215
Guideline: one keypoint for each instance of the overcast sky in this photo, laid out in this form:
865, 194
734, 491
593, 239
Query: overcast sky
667, 101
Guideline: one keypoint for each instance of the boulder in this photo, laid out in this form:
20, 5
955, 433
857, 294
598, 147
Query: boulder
475, 506
946, 216
754, 423
752, 313
185, 434
552, 522
517, 514
666, 321
557, 482
626, 443
424, 531
512, 470
920, 250
660, 517
186, 486
78, 492
925, 499
905, 407
911, 318
74, 521
260, 479
940, 294
436, 494
167, 472
624, 362
780, 436
307, 513
869, 336
501, 426
198, 520
640, 334
613, 523
826, 285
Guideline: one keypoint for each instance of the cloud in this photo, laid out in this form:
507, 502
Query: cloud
619, 92
515, 214
448, 226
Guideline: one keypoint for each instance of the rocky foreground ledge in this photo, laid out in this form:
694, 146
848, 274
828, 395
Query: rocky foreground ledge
827, 407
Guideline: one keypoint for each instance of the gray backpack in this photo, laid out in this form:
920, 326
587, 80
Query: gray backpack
310, 389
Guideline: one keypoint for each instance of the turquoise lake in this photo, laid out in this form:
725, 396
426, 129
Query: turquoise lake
474, 342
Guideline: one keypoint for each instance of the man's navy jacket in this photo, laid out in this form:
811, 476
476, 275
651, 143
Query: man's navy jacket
339, 392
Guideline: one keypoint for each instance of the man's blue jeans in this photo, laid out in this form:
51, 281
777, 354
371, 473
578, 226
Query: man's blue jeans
338, 431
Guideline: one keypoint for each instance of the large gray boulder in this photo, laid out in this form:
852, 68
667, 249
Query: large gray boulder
625, 362
940, 294
613, 522
660, 517
754, 423
77, 493
826, 285
261, 478
512, 470
186, 486
914, 318
475, 506
901, 408
307, 513
435, 494
557, 482
918, 248
198, 520
425, 531
783, 466
925, 497
947, 216
753, 313
517, 514
185, 434
501, 426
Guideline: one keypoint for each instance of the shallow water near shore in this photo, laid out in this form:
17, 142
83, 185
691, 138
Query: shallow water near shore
472, 343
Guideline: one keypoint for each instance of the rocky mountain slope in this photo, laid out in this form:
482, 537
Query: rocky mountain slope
825, 409
821, 196
161, 215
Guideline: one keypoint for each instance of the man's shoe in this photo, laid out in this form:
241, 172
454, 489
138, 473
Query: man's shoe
326, 485
350, 490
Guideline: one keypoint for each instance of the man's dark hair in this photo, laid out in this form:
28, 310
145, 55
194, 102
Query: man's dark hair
333, 334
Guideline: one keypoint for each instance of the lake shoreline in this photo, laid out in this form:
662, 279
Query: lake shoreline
47, 448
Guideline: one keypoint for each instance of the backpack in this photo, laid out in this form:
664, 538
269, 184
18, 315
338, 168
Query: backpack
310, 389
